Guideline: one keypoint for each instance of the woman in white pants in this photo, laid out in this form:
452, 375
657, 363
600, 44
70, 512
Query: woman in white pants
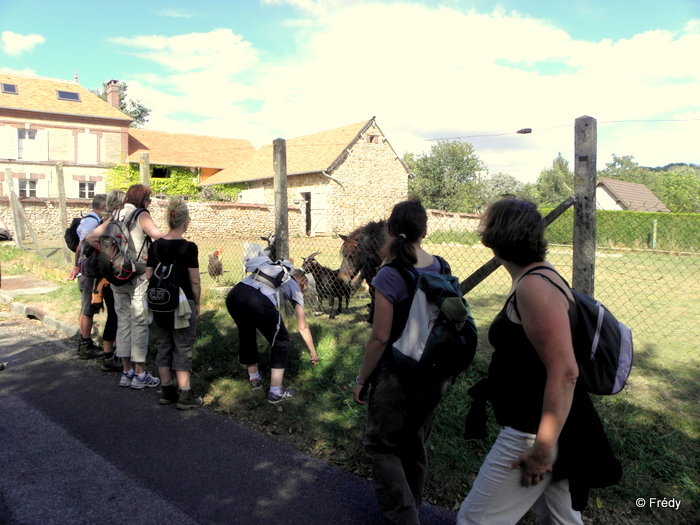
132, 326
533, 376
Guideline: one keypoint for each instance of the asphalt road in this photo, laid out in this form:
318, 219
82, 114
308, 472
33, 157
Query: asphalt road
77, 449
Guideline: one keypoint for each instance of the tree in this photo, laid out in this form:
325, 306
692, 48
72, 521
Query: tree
133, 108
555, 184
679, 189
498, 184
447, 178
626, 169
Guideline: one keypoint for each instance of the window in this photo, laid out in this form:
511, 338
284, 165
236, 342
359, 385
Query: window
27, 188
70, 96
22, 135
10, 89
86, 190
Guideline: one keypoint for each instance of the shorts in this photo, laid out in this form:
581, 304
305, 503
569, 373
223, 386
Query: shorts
85, 285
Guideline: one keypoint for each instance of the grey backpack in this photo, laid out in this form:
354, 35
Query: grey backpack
602, 344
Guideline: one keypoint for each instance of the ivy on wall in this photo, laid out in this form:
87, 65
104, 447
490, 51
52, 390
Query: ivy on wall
121, 176
179, 182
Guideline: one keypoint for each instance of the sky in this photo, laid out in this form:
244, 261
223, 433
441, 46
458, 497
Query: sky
475, 70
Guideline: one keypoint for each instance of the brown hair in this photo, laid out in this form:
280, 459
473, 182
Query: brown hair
300, 277
137, 195
406, 225
514, 230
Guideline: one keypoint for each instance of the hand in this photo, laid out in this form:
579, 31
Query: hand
314, 358
535, 463
359, 394
74, 273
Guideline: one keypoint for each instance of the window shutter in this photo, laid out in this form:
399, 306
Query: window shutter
41, 145
8, 142
87, 148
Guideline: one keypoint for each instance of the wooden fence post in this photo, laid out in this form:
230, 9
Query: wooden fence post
585, 153
62, 208
17, 225
279, 161
145, 169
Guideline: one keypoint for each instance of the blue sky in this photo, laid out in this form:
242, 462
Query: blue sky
480, 70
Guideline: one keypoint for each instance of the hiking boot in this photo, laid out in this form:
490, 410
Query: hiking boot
285, 394
188, 400
255, 384
126, 378
169, 395
147, 381
88, 350
111, 364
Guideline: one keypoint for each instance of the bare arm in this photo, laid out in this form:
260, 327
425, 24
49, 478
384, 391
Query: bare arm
545, 320
378, 339
149, 227
196, 286
305, 332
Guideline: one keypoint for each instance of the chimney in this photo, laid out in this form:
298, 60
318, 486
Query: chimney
113, 93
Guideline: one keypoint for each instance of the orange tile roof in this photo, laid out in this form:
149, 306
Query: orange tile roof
633, 196
306, 154
39, 94
195, 151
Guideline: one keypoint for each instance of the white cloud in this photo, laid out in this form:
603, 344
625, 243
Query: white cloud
435, 73
174, 13
312, 7
15, 44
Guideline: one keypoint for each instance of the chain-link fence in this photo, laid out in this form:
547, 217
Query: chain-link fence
648, 283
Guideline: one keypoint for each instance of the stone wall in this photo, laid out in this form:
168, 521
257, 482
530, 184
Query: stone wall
210, 220
446, 221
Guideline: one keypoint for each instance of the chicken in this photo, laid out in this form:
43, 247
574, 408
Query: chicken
215, 267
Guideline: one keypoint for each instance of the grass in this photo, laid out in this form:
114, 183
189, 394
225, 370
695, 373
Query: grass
653, 425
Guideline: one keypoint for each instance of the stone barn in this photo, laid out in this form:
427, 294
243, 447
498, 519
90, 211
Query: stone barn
340, 178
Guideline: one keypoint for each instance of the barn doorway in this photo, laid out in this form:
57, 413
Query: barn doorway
306, 195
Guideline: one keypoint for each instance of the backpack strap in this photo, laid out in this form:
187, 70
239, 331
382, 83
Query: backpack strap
533, 271
129, 224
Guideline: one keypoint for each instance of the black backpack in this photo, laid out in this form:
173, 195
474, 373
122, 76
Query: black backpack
71, 234
602, 344
438, 339
118, 258
163, 294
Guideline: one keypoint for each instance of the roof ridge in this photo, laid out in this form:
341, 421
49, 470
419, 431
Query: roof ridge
39, 77
186, 134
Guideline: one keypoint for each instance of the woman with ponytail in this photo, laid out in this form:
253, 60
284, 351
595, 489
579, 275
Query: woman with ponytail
399, 416
174, 345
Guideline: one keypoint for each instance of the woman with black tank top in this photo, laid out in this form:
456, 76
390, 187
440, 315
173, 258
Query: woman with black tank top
532, 377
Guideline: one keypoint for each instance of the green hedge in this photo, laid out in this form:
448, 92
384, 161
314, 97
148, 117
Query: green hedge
634, 229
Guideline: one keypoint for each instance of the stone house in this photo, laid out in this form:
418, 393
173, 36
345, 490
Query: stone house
340, 178
612, 194
45, 121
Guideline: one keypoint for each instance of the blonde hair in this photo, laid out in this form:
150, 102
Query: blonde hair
115, 200
177, 212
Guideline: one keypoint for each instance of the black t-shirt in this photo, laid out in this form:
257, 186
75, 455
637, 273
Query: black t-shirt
185, 253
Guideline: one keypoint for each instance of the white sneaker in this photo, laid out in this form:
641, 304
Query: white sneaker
147, 381
126, 378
